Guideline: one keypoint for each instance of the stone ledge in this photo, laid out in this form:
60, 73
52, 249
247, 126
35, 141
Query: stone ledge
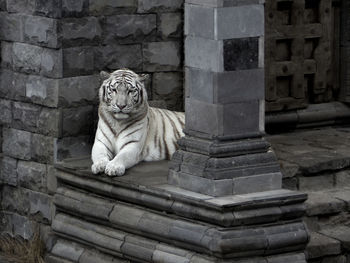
145, 184
320, 246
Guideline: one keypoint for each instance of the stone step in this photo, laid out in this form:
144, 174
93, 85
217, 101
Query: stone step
321, 246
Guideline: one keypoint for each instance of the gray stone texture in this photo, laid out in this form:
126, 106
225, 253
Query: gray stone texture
77, 121
341, 233
169, 87
6, 54
78, 61
116, 56
129, 28
22, 226
11, 27
74, 8
69, 147
159, 5
37, 60
41, 31
5, 111
224, 23
17, 143
161, 56
170, 25
42, 148
80, 31
321, 245
111, 7
32, 175
224, 87
8, 173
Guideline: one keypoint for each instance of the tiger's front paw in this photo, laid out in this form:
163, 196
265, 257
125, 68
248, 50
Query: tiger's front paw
99, 166
115, 169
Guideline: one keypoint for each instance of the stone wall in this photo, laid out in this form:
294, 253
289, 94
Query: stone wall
51, 54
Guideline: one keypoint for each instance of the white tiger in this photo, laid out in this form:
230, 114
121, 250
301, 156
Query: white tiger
129, 130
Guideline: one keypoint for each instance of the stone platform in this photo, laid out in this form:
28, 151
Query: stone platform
141, 218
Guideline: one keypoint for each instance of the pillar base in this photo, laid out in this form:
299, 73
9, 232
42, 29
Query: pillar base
140, 217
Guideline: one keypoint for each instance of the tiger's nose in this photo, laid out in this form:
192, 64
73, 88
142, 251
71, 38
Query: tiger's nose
121, 106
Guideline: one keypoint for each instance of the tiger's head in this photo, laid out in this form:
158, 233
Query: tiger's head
123, 94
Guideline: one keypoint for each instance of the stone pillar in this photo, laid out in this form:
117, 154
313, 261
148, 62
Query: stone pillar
223, 152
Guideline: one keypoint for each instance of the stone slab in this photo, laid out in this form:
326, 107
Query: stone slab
320, 246
341, 233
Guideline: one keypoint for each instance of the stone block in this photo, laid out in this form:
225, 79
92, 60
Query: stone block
204, 54
34, 118
222, 3
42, 148
8, 173
240, 21
32, 175
77, 121
33, 59
115, 57
17, 143
51, 180
80, 31
71, 250
11, 27
78, 61
161, 56
75, 8
257, 183
341, 233
315, 183
168, 87
42, 90
6, 223
73, 147
41, 204
200, 184
225, 87
147, 6
48, 8
241, 54
170, 25
111, 7
323, 203
138, 248
126, 216
320, 246
221, 120
77, 91
130, 28
199, 21
41, 31
15, 199
3, 5
5, 111
6, 54
23, 227
342, 179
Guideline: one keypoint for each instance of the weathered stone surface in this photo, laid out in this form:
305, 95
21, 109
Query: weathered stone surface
15, 199
257, 183
80, 31
342, 179
11, 27
6, 54
316, 183
41, 31
130, 28
78, 61
320, 203
32, 175
3, 5
321, 245
341, 233
17, 143
69, 249
22, 226
40, 204
161, 56
48, 8
34, 59
8, 171
74, 8
114, 57
146, 6
51, 179
16, 6
73, 147
41, 90
168, 87
5, 111
111, 7
42, 148
170, 25
77, 91
77, 121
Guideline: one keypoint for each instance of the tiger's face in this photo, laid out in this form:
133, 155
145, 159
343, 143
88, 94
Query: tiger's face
123, 93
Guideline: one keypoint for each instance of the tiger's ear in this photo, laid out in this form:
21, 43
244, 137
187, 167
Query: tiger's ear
143, 77
104, 75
